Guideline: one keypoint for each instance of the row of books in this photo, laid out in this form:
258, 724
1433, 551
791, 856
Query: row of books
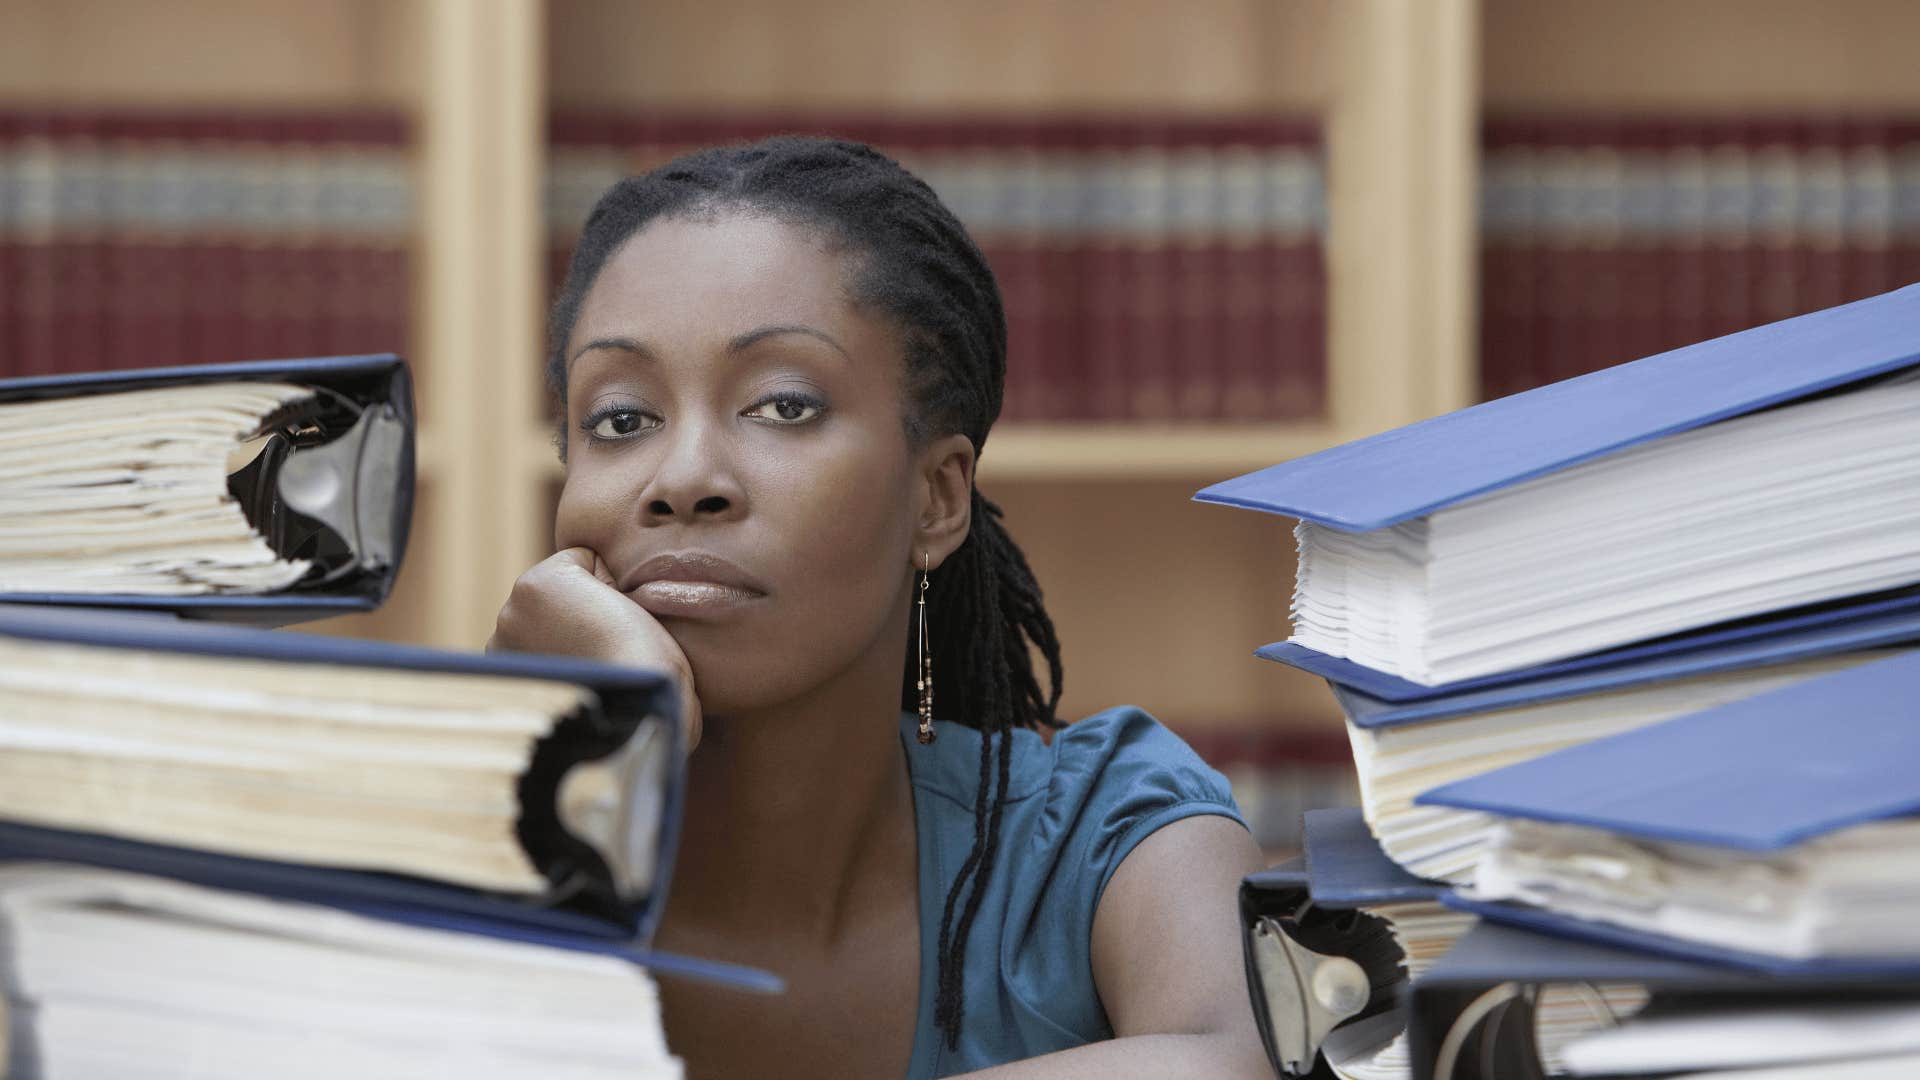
141, 239
1629, 666
228, 851
1153, 268
1611, 237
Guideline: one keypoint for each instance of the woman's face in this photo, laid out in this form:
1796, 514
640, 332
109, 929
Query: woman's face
737, 457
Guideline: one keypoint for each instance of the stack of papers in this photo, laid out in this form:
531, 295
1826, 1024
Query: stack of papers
128, 492
1775, 831
1797, 505
136, 977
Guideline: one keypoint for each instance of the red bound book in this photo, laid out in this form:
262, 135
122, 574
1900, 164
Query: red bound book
1062, 330
1295, 363
1506, 295
1006, 173
1152, 364
252, 321
1867, 153
1247, 293
1532, 365
1823, 229
163, 148
1556, 350
79, 255
1106, 265
1646, 240
1779, 176
1193, 330
1579, 233
10, 257
350, 163
1686, 280
127, 236
1729, 242
1903, 147
1606, 163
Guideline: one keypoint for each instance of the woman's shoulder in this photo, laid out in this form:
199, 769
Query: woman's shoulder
1075, 807
1119, 775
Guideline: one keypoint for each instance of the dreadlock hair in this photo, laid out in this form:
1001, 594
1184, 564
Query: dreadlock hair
918, 268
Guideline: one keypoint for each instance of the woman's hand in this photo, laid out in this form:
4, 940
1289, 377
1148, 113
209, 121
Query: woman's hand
567, 604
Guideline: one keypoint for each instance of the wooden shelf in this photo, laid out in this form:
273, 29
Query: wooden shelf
1146, 450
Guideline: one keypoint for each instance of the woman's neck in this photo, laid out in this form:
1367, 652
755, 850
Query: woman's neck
801, 810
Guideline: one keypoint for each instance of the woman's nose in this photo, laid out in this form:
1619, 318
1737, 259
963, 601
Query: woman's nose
695, 478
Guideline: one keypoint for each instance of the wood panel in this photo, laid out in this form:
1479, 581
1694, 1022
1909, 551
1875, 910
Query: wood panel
1701, 55
1160, 601
986, 54
1402, 159
222, 53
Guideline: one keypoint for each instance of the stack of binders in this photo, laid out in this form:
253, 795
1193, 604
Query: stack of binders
230, 851
1631, 659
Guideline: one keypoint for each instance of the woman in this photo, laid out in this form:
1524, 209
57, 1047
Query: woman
779, 364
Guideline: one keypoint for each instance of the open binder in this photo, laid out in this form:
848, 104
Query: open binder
1472, 1015
588, 904
1304, 932
1810, 778
331, 485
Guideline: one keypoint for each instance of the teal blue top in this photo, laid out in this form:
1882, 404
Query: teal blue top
1075, 808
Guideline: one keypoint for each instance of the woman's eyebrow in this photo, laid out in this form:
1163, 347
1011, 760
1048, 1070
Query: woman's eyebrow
752, 337
624, 344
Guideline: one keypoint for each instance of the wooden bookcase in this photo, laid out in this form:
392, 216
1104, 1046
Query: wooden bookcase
1160, 600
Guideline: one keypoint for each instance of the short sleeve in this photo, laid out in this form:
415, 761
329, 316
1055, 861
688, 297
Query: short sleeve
1119, 777
1075, 808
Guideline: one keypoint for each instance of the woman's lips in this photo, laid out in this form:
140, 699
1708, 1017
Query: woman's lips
691, 599
691, 584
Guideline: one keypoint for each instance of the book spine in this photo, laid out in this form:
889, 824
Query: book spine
36, 171
1195, 370
1149, 364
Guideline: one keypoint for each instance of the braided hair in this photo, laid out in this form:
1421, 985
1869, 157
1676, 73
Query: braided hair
920, 269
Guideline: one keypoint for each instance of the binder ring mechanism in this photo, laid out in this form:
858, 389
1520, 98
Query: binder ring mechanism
326, 482
1330, 990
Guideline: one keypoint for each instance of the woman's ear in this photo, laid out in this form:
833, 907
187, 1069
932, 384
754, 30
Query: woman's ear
945, 510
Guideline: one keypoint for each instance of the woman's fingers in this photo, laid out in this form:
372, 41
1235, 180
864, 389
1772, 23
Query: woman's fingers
568, 603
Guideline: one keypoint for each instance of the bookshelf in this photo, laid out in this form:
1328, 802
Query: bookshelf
1400, 87
1102, 508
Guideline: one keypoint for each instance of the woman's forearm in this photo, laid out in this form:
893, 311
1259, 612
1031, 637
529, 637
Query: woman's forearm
1225, 1056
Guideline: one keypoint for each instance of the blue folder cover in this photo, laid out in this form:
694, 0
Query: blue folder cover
1345, 866
1758, 774
1410, 472
372, 380
1896, 624
623, 693
1562, 926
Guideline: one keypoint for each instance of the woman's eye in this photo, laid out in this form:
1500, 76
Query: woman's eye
617, 424
786, 409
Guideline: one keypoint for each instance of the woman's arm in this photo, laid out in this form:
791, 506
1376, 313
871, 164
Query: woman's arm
1166, 960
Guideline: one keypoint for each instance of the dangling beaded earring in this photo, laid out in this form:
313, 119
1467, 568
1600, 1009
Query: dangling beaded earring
925, 682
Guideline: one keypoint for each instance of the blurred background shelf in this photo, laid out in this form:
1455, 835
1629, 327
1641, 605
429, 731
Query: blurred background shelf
1019, 452
1230, 232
